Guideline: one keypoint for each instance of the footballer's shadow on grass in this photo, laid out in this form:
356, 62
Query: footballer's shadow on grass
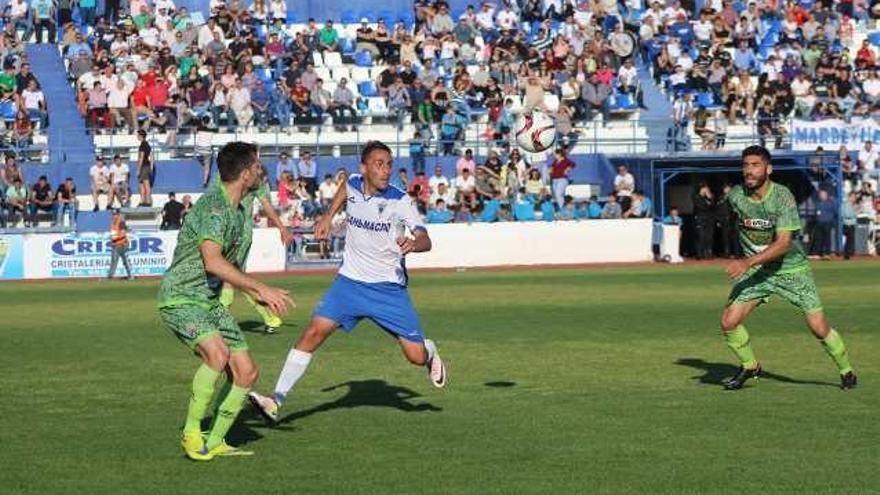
240, 433
369, 393
715, 372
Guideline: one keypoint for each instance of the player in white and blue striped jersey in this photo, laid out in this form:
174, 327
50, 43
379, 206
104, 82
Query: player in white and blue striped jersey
383, 227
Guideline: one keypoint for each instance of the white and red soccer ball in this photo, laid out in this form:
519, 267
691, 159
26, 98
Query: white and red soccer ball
535, 131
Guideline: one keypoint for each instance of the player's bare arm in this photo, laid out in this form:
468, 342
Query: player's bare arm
322, 227
275, 220
420, 243
276, 299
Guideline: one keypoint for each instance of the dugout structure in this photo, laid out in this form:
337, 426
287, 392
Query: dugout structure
674, 178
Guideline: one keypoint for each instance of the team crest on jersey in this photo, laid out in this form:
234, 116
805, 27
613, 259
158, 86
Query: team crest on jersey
757, 223
381, 207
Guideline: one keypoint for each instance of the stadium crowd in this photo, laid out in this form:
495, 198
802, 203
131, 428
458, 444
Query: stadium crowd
761, 62
251, 65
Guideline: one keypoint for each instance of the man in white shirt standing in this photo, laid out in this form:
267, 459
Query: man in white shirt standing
383, 227
868, 161
119, 173
117, 102
327, 191
100, 178
624, 185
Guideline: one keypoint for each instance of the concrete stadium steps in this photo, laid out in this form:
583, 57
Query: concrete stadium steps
68, 141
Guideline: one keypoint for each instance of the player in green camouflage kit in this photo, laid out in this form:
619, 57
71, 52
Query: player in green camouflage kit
207, 248
768, 224
271, 321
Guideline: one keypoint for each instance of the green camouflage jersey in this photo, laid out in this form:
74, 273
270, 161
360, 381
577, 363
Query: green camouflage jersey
247, 204
212, 218
758, 222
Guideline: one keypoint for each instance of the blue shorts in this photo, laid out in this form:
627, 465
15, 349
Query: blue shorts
387, 304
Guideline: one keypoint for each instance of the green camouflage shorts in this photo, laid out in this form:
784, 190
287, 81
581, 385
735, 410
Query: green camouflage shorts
798, 288
194, 324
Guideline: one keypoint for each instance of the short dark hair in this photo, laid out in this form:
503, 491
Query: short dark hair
234, 158
372, 146
757, 150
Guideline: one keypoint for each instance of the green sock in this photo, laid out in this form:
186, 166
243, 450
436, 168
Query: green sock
268, 317
226, 414
738, 342
202, 391
219, 396
227, 295
834, 346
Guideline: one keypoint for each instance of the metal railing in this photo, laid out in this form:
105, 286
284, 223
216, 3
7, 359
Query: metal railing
591, 136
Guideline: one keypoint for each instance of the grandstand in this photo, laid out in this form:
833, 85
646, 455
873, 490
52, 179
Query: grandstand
321, 77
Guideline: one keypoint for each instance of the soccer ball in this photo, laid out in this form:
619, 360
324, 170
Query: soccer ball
535, 131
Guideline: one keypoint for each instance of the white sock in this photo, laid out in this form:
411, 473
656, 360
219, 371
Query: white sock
432, 350
294, 367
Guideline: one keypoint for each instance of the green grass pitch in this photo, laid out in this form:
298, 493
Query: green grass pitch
561, 381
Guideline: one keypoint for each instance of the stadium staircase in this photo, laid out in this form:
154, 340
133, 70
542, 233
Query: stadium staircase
656, 117
69, 143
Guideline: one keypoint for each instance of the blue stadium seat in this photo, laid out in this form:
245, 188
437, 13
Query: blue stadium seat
347, 46
348, 17
7, 110
874, 38
626, 102
609, 23
705, 99
407, 17
363, 59
292, 17
388, 17
367, 89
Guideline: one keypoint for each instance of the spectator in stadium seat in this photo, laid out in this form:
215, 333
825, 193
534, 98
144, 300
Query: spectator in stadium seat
441, 23
465, 185
239, 101
98, 113
284, 164
16, 201
19, 17
66, 203
439, 213
594, 94
119, 180
99, 175
437, 179
261, 104
560, 169
399, 101
612, 209
328, 38
342, 103
417, 152
443, 192
326, 191
466, 161
420, 186
299, 97
307, 171
172, 213
42, 199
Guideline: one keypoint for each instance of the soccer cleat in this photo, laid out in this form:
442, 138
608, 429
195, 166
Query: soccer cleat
194, 446
739, 380
226, 450
437, 371
192, 441
270, 330
848, 381
266, 405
